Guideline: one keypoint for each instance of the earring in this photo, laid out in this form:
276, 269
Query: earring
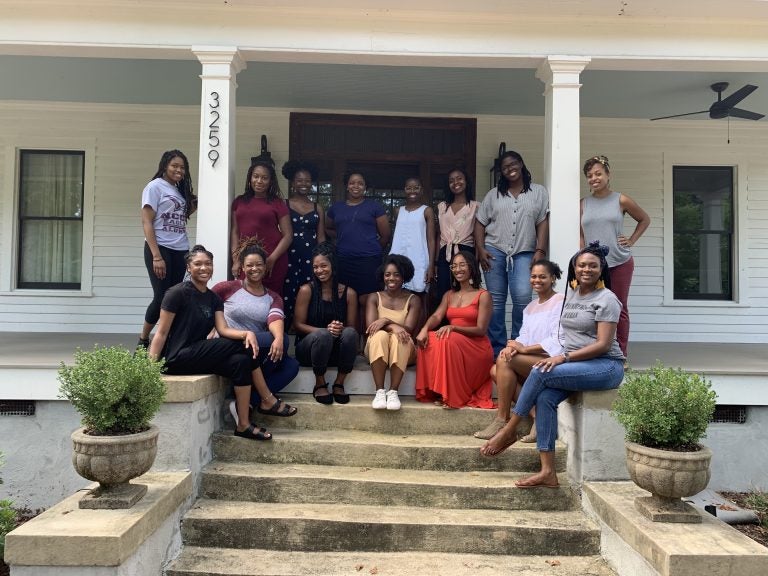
600, 284
471, 282
573, 284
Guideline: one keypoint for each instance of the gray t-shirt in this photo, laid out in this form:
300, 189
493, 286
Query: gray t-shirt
578, 322
510, 223
170, 221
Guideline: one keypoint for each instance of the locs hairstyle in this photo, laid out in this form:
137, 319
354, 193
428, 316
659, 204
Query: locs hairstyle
595, 249
185, 186
273, 191
503, 186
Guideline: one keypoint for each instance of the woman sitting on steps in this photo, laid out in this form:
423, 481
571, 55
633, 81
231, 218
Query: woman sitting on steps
592, 360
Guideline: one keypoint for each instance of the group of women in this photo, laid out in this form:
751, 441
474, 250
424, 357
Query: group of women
558, 344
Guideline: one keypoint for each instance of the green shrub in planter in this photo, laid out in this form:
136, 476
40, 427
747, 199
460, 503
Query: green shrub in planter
665, 408
115, 390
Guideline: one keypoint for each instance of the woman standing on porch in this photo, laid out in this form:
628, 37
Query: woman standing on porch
259, 211
308, 223
456, 220
167, 202
602, 219
592, 360
511, 232
361, 228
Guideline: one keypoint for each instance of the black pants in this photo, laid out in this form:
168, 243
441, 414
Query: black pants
174, 273
221, 356
320, 349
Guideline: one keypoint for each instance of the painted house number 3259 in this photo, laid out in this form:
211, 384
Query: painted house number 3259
213, 129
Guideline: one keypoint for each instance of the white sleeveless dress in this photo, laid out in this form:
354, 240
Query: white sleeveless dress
410, 239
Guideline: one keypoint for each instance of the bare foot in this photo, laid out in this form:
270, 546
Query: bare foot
540, 480
500, 442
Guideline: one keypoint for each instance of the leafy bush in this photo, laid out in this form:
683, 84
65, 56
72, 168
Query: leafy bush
115, 391
665, 407
7, 517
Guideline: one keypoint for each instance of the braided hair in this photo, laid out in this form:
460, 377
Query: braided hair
185, 186
503, 187
595, 249
326, 250
248, 245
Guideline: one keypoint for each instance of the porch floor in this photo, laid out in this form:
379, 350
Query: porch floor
47, 350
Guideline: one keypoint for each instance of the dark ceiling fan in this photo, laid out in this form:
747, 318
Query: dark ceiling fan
725, 107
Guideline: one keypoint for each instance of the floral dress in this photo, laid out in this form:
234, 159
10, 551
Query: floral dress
299, 256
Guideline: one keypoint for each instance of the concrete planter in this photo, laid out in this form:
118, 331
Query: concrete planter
668, 476
113, 461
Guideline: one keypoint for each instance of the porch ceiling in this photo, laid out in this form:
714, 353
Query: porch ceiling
401, 89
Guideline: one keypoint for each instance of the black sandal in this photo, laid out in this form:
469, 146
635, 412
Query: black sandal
252, 434
342, 398
326, 398
286, 411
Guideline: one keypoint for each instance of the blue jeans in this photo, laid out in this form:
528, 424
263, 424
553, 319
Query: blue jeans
546, 390
507, 274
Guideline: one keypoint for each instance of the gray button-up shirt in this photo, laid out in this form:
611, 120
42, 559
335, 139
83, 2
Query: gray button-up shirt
510, 223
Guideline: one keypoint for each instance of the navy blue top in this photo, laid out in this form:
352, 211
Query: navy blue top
356, 232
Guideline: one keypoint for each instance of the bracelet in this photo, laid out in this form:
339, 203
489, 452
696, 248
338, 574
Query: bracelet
157, 259
540, 250
567, 356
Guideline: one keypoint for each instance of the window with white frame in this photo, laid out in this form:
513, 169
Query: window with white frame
703, 241
50, 219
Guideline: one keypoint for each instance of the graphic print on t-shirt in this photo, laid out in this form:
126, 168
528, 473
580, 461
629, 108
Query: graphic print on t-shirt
174, 221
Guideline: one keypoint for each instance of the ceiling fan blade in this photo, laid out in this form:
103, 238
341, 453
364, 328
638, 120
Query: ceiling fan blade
679, 115
746, 114
736, 97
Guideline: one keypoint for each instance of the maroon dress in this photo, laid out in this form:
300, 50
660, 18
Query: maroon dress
261, 218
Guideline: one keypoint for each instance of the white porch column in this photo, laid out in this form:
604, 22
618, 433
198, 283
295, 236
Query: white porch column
216, 176
562, 161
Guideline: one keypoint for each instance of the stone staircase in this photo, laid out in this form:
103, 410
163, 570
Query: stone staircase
350, 490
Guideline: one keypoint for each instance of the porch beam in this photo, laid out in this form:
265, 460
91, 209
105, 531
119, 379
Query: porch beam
216, 176
560, 75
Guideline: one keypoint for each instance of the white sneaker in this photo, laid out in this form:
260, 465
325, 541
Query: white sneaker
393, 401
380, 400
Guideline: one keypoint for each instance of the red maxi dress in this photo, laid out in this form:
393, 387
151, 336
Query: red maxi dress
456, 368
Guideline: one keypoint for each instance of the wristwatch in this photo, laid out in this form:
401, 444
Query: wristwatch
567, 356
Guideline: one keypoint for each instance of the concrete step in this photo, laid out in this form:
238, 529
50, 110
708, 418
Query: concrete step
343, 527
413, 418
197, 561
299, 483
372, 450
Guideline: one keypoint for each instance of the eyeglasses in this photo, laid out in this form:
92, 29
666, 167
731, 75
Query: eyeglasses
461, 266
